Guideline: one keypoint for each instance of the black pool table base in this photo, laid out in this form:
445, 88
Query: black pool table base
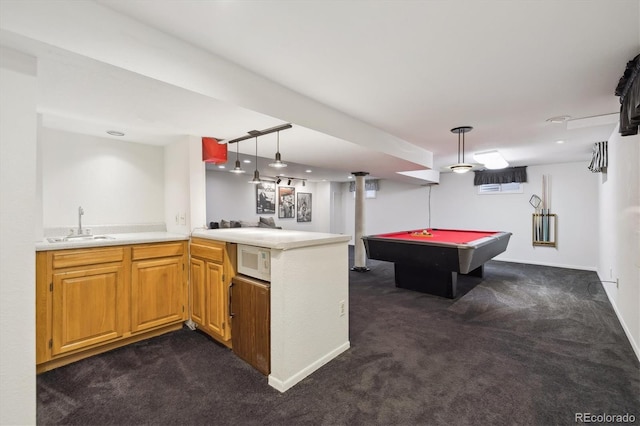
430, 280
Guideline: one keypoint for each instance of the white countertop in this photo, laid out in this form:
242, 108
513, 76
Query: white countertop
117, 240
280, 239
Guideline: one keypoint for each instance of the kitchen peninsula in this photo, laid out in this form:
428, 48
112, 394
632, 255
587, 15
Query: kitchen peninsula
309, 297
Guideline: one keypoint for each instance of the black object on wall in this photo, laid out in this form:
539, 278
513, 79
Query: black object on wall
628, 89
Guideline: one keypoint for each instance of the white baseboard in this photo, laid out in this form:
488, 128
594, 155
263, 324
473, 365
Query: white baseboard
553, 265
286, 384
627, 332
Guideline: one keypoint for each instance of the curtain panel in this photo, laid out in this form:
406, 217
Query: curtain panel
511, 174
600, 158
628, 90
369, 185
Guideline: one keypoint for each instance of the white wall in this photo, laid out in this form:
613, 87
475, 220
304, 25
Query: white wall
619, 235
397, 207
18, 124
184, 186
231, 197
115, 182
456, 204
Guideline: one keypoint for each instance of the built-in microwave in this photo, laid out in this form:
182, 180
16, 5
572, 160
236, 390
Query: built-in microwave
254, 262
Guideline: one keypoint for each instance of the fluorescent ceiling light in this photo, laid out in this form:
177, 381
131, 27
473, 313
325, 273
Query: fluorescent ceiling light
491, 160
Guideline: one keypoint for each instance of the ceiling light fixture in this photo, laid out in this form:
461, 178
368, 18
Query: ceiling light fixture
278, 164
256, 173
461, 166
559, 119
115, 133
491, 160
238, 168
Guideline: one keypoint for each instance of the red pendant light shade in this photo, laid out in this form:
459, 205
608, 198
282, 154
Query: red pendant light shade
213, 152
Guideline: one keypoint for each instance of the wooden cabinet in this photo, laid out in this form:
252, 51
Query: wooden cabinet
95, 299
212, 266
87, 299
250, 312
158, 292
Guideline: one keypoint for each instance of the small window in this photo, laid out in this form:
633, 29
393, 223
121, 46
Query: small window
501, 188
369, 193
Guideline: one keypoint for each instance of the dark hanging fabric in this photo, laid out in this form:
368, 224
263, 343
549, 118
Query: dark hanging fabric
628, 89
512, 174
369, 185
600, 157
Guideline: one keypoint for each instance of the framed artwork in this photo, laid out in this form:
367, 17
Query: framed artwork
286, 202
266, 198
304, 207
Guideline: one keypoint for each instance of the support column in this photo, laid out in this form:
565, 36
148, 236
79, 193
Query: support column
360, 255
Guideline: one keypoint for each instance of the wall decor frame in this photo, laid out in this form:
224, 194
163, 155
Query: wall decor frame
303, 207
286, 202
266, 198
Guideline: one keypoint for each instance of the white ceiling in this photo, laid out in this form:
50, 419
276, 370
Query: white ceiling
412, 69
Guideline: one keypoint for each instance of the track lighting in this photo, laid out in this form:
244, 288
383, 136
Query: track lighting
289, 182
278, 181
237, 169
278, 163
256, 173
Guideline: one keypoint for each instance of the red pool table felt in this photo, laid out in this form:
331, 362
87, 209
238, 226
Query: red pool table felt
440, 235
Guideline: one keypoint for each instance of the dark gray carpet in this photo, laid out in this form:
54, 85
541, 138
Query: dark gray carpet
526, 345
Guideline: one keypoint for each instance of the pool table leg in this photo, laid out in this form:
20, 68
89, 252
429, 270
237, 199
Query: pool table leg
426, 280
478, 272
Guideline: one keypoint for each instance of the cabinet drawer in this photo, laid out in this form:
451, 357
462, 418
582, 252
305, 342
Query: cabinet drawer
69, 258
213, 252
152, 251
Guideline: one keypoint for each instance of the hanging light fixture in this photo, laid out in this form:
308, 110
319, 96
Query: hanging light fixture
278, 164
237, 169
461, 166
256, 173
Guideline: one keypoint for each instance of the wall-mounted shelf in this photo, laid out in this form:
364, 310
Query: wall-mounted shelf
544, 230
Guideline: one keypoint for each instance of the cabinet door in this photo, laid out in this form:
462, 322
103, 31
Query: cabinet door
157, 293
216, 301
87, 307
251, 322
198, 299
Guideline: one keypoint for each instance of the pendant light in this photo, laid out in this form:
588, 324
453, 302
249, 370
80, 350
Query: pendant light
256, 173
278, 164
461, 166
237, 169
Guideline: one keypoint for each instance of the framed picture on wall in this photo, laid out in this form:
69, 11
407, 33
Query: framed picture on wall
286, 202
266, 198
304, 207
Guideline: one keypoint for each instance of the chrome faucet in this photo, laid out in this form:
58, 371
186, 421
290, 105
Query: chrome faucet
80, 213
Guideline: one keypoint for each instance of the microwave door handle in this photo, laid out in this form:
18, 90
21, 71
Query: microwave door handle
230, 296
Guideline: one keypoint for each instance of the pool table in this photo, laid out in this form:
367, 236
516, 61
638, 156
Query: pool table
429, 260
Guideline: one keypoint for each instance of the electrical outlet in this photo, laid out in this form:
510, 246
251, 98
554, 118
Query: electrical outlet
341, 308
183, 218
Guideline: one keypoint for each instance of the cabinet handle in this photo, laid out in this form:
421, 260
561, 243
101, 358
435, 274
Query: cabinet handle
230, 296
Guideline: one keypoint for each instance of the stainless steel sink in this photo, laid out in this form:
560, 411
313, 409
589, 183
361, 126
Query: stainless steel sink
80, 238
